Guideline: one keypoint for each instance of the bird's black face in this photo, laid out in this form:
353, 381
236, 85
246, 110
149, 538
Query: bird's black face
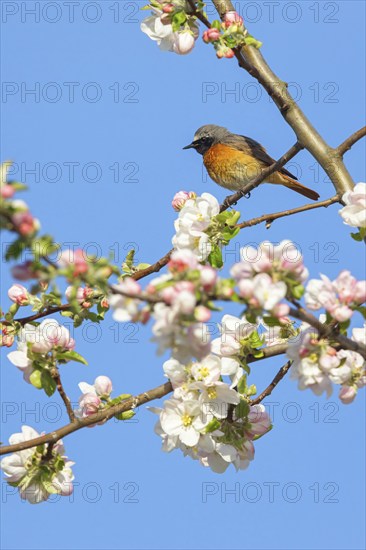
201, 145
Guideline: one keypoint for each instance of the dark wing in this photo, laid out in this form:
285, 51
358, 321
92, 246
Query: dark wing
258, 151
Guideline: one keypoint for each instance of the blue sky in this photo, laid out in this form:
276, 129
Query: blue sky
122, 130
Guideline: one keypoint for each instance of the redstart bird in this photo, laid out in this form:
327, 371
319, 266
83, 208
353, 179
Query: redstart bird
232, 160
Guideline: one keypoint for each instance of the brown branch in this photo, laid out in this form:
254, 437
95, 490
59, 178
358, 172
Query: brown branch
251, 59
281, 373
269, 218
105, 414
49, 311
198, 13
233, 199
154, 268
327, 330
57, 378
351, 140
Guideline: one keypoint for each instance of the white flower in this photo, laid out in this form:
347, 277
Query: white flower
354, 213
35, 478
125, 308
162, 34
44, 337
194, 218
182, 419
208, 370
268, 293
215, 399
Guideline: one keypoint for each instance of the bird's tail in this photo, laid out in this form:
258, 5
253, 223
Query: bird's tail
298, 187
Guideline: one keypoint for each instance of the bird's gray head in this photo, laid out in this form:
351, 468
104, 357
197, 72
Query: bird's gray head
206, 136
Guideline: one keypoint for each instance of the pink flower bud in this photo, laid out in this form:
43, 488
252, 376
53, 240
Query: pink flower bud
232, 18
208, 277
24, 223
7, 340
211, 35
104, 303
103, 385
168, 8
180, 199
76, 259
130, 286
19, 295
182, 260
89, 404
224, 51
7, 191
347, 394
360, 292
184, 43
281, 310
202, 314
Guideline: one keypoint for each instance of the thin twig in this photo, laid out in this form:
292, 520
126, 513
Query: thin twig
57, 378
269, 218
351, 140
327, 331
281, 373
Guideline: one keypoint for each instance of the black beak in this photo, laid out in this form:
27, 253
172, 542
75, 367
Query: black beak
190, 146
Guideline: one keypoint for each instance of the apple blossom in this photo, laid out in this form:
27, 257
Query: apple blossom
25, 223
7, 191
211, 35
347, 394
338, 297
35, 477
193, 219
354, 213
125, 308
232, 18
180, 199
183, 420
19, 295
103, 385
316, 364
74, 258
41, 339
184, 42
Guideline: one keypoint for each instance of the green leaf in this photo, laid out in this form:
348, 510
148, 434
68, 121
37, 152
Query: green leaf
35, 379
242, 410
119, 399
297, 291
215, 257
178, 19
15, 249
48, 383
216, 24
125, 415
212, 426
242, 384
71, 356
251, 41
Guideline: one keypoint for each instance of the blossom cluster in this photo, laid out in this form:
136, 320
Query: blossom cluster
39, 349
36, 472
172, 26
207, 419
268, 274
339, 298
317, 364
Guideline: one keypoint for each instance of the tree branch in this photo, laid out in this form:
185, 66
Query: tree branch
327, 331
105, 414
281, 373
57, 378
351, 140
269, 218
251, 59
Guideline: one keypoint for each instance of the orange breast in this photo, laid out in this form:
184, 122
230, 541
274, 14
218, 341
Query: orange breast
230, 167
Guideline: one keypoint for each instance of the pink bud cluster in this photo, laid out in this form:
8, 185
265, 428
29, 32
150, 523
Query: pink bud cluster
264, 274
19, 295
338, 297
